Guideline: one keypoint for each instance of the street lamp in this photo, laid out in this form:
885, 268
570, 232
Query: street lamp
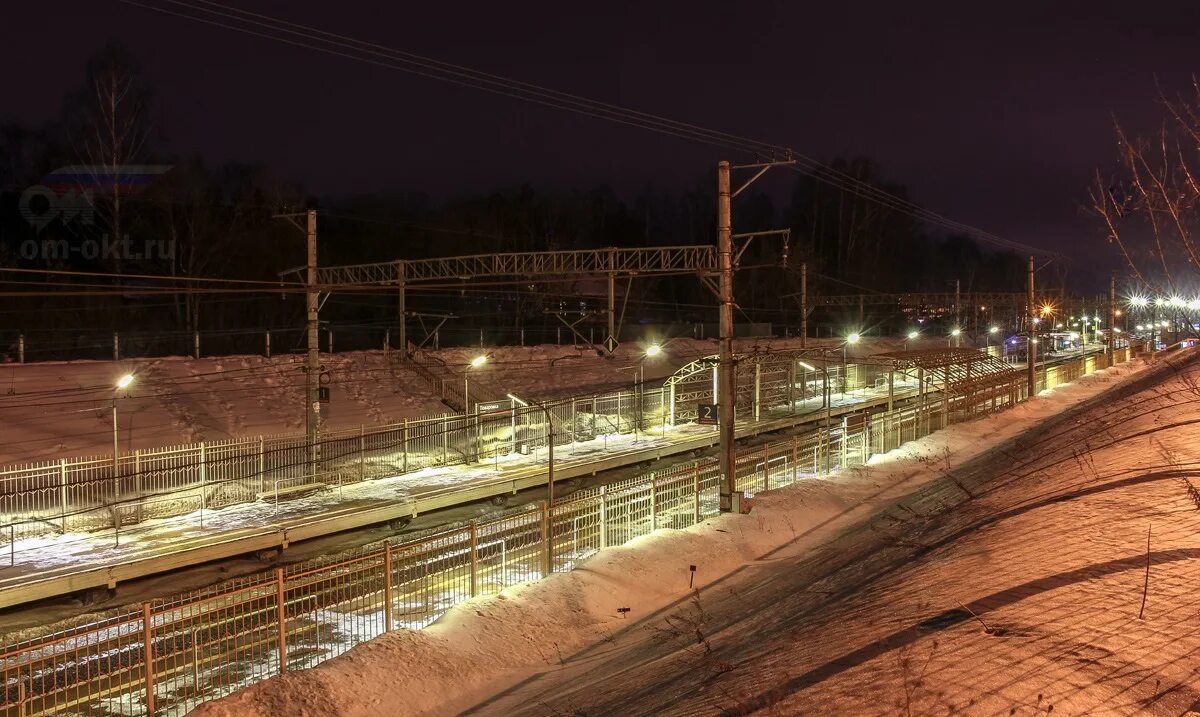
912, 336
475, 363
851, 339
122, 383
653, 350
954, 334
549, 476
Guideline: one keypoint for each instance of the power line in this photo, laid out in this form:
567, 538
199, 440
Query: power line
279, 30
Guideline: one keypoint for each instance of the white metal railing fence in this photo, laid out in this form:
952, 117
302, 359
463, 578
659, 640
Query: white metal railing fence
95, 493
170, 655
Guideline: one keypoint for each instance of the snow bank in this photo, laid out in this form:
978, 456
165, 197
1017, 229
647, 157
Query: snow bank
52, 410
487, 644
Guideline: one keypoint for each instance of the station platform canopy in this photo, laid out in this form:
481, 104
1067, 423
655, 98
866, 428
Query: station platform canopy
957, 371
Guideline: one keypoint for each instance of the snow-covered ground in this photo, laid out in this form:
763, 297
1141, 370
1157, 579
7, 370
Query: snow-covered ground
996, 567
53, 410
80, 551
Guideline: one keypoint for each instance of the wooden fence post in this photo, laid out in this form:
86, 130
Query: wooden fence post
547, 543
148, 656
281, 617
62, 489
262, 464
387, 586
362, 451
603, 517
653, 502
766, 466
474, 529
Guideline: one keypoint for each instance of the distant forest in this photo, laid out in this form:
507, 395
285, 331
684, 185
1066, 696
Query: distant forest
185, 217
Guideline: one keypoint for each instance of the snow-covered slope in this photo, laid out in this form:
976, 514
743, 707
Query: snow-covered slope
55, 410
996, 567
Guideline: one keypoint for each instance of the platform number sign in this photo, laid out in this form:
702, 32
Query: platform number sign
706, 414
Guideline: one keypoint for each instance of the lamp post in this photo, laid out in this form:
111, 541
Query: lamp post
954, 334
475, 363
549, 477
912, 336
122, 383
987, 343
852, 339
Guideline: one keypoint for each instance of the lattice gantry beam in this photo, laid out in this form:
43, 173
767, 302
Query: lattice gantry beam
611, 260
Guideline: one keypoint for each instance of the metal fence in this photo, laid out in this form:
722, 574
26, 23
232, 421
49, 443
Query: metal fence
98, 493
170, 655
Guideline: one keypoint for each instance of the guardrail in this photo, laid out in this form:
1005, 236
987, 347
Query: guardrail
170, 655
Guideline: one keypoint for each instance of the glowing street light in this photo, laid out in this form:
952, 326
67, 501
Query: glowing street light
653, 350
851, 339
122, 383
475, 363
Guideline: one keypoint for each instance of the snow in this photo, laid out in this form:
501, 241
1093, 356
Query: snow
78, 550
53, 410
846, 595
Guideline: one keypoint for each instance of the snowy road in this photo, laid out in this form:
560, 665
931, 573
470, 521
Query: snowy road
1010, 585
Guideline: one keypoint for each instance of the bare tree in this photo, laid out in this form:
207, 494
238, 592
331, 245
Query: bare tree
108, 121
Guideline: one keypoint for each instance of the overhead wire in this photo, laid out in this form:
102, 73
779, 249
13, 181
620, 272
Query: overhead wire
280, 30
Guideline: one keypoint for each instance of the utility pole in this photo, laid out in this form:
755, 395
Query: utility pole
726, 371
312, 360
1112, 318
804, 305
726, 391
958, 312
1031, 333
312, 364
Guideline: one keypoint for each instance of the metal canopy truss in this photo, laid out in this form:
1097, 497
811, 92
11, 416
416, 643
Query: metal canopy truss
771, 380
957, 372
610, 260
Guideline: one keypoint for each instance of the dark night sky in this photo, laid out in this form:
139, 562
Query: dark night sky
996, 118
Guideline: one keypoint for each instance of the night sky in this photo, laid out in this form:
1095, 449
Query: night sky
993, 118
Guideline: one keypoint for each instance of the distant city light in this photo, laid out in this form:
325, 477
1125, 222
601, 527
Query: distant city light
1139, 302
1047, 309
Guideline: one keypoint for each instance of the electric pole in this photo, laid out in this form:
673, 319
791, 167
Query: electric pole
1112, 318
804, 305
726, 391
312, 359
312, 364
726, 370
1031, 333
